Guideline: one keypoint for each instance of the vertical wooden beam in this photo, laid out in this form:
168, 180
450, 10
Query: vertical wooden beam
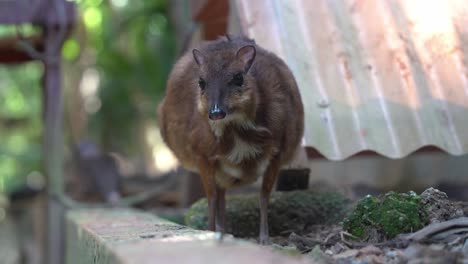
53, 143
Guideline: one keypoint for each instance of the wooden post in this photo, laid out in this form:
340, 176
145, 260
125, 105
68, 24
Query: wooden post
56, 17
53, 143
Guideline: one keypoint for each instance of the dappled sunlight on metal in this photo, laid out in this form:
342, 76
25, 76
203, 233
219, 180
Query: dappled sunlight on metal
386, 76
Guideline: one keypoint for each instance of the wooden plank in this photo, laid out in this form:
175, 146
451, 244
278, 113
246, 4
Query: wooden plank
16, 12
10, 51
38, 12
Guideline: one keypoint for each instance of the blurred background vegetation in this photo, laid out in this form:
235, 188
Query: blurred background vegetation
115, 65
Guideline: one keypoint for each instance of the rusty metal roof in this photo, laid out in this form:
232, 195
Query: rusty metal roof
388, 76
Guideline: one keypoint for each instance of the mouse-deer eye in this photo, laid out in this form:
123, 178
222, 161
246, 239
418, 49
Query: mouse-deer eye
201, 83
238, 79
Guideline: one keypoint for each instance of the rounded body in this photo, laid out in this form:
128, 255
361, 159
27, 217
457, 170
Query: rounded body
264, 119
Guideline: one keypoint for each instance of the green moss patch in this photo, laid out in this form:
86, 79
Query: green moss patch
381, 218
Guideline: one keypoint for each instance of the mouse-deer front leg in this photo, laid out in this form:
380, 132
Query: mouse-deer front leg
269, 180
220, 209
207, 174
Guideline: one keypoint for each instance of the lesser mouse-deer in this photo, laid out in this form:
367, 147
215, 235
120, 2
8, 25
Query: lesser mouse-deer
233, 113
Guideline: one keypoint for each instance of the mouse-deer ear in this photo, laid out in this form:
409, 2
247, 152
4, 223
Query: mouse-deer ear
198, 56
247, 55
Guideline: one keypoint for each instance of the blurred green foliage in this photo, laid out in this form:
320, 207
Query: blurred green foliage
135, 48
20, 123
129, 43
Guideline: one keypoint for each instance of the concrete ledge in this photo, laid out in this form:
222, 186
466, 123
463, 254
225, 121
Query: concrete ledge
130, 236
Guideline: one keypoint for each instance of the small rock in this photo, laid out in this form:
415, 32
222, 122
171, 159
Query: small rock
147, 236
337, 248
391, 254
431, 254
456, 248
346, 254
370, 250
319, 256
372, 259
396, 255
437, 247
412, 251
438, 207
302, 243
359, 262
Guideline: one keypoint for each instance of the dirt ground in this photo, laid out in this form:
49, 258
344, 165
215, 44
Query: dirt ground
443, 240
442, 237
330, 244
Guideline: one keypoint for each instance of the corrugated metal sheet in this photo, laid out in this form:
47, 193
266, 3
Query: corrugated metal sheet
388, 76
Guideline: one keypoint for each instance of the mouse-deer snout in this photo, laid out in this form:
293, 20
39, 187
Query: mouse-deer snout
216, 113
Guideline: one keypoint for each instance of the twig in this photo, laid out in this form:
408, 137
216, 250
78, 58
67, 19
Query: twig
434, 229
437, 231
305, 242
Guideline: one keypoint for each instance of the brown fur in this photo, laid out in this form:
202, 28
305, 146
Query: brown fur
264, 115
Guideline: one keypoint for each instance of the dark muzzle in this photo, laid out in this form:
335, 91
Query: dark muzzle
216, 113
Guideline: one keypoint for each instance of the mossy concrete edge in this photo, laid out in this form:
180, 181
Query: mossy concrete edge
127, 236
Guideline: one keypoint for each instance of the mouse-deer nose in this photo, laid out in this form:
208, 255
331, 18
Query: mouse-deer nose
216, 113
